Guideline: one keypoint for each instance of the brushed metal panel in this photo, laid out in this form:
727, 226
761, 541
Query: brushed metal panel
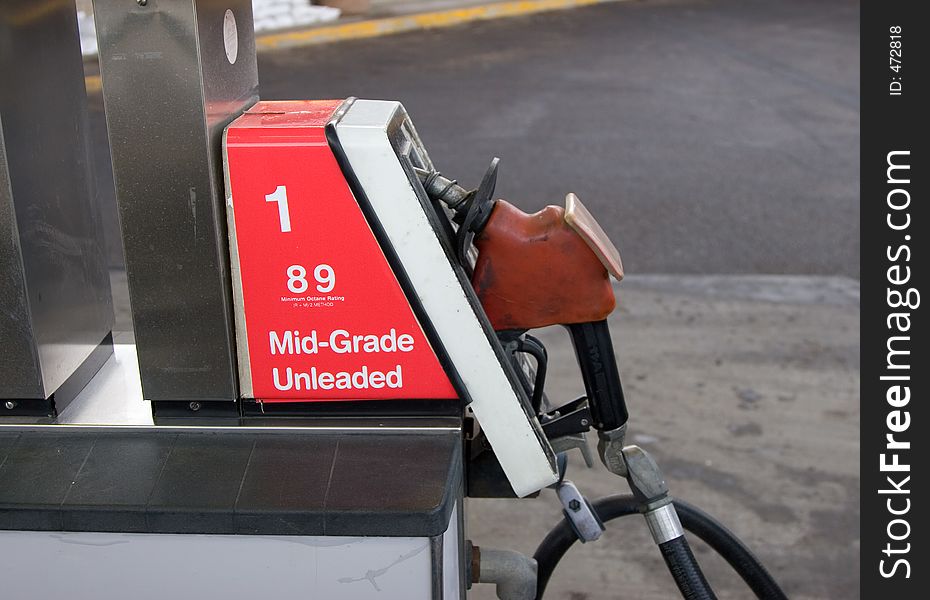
19, 361
44, 110
169, 90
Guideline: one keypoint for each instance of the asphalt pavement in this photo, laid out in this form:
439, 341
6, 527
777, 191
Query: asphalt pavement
746, 391
708, 136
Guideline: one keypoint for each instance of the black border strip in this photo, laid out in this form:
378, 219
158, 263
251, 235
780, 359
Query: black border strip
894, 271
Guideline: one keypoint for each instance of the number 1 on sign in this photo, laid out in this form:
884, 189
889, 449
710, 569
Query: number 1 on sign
284, 215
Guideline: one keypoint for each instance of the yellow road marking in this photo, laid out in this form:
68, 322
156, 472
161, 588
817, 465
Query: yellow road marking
429, 20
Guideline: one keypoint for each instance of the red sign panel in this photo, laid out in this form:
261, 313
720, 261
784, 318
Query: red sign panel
325, 317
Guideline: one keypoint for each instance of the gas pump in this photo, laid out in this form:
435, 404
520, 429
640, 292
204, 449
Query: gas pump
330, 351
345, 190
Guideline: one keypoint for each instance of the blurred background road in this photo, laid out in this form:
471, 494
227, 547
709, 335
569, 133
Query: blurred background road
713, 138
710, 137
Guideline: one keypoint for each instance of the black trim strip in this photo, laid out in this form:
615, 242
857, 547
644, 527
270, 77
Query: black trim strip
253, 409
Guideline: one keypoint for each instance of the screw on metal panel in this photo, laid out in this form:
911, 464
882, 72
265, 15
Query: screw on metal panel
9, 405
574, 505
584, 422
194, 406
142, 2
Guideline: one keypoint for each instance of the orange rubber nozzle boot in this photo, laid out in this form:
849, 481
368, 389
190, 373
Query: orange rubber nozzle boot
536, 270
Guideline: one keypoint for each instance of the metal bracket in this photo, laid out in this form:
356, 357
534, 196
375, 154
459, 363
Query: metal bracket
579, 440
578, 512
574, 417
566, 426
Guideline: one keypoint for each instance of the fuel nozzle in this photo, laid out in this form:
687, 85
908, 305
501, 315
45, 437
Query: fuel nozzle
574, 228
590, 337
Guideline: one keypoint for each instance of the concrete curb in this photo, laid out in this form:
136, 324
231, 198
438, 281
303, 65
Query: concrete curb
398, 24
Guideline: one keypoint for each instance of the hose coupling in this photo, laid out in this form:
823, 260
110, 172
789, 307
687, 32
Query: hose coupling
610, 450
663, 523
645, 478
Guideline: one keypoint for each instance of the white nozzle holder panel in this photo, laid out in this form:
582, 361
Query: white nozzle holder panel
364, 133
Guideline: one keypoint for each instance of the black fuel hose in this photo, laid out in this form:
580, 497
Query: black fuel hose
685, 570
719, 538
725, 543
561, 537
